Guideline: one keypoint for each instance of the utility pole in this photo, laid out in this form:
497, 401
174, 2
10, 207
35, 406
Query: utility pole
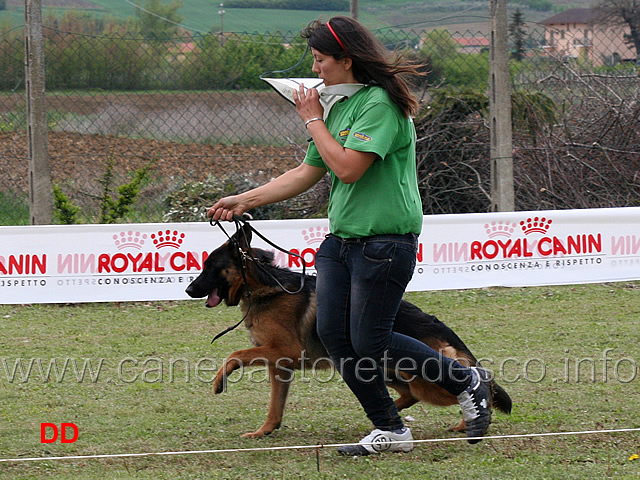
354, 9
40, 184
502, 192
221, 12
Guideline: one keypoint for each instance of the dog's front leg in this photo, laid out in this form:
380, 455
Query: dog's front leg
279, 391
230, 364
281, 374
251, 357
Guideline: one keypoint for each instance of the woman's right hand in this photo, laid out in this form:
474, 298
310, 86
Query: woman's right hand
287, 185
226, 207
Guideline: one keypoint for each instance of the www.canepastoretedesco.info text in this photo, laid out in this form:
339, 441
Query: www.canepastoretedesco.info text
602, 367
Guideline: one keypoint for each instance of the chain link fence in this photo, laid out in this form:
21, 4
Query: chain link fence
193, 113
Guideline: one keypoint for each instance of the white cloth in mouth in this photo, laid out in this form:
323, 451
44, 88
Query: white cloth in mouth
328, 95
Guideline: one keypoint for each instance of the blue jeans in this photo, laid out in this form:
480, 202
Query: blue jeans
359, 288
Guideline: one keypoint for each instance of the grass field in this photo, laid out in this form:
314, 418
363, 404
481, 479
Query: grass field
202, 15
567, 355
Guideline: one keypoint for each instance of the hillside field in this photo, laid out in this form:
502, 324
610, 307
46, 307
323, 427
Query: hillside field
203, 16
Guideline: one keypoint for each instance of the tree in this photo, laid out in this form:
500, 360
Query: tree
157, 20
517, 35
439, 43
113, 208
623, 13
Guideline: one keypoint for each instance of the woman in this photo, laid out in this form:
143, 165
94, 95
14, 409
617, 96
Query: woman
367, 144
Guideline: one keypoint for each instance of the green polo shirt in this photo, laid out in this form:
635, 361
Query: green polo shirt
385, 200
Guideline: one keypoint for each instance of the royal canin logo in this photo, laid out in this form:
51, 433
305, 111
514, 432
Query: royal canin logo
168, 238
500, 229
504, 242
129, 239
130, 258
137, 262
535, 225
312, 237
160, 239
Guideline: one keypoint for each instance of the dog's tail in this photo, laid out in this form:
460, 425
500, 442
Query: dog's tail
500, 399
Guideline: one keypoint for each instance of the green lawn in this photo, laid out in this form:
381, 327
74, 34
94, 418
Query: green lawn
567, 355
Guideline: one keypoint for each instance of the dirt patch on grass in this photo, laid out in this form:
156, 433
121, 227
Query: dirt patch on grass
183, 178
80, 159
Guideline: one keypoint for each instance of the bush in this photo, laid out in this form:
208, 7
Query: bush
452, 151
237, 63
114, 208
14, 208
11, 63
64, 211
190, 203
453, 148
587, 160
212, 61
450, 65
79, 62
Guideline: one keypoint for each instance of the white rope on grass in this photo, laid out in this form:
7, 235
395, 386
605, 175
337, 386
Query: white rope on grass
309, 447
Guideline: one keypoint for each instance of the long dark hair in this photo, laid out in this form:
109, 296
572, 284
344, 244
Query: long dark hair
373, 63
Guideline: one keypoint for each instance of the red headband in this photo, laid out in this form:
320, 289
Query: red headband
335, 35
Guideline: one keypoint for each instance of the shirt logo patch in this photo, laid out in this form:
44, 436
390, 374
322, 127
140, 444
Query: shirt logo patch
344, 133
362, 136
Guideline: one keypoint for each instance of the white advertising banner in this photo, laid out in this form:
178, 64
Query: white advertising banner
137, 262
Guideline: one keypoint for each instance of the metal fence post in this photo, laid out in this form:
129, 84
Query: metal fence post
40, 184
502, 192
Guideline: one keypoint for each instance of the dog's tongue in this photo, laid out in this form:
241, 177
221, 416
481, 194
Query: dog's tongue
213, 299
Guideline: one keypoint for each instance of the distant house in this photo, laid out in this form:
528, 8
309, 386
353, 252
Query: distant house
473, 44
577, 33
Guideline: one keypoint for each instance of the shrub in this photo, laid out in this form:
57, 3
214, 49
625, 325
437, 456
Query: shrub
11, 63
453, 146
79, 62
190, 202
454, 67
115, 208
64, 211
236, 63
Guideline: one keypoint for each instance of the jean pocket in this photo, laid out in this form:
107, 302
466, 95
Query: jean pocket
379, 251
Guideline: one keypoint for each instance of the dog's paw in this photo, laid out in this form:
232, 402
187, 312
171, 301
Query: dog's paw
461, 427
257, 434
267, 428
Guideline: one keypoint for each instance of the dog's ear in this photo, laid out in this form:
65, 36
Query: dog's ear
244, 237
263, 256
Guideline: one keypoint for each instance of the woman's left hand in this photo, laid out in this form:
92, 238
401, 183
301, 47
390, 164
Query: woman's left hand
308, 103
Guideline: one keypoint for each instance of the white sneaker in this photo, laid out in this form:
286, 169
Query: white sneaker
380, 441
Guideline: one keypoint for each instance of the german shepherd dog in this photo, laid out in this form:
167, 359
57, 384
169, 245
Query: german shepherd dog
282, 327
